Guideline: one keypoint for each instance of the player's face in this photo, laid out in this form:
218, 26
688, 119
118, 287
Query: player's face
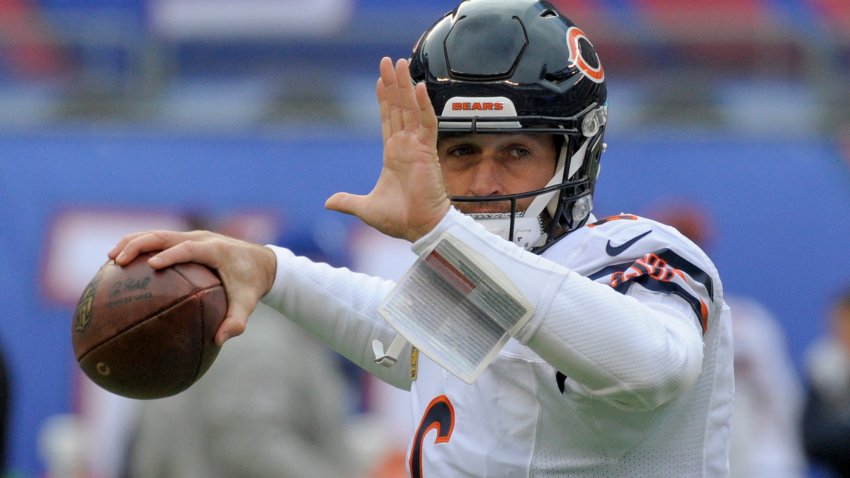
496, 164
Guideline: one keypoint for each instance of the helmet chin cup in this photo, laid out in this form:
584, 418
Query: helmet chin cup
527, 231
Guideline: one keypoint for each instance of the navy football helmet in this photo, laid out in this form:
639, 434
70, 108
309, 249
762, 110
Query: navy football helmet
521, 66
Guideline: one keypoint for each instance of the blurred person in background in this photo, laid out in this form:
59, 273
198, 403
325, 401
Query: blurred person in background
274, 404
826, 417
28, 48
768, 395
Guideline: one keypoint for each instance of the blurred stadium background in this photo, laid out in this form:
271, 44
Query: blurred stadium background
121, 113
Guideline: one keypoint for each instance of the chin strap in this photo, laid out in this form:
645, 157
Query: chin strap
576, 161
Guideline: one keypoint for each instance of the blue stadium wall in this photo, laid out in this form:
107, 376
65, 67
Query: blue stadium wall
781, 210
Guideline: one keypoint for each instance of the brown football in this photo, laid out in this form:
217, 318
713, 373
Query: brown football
145, 333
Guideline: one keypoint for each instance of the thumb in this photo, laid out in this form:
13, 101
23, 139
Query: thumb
233, 324
345, 203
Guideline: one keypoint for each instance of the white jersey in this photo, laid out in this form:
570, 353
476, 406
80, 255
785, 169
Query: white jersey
645, 381
524, 418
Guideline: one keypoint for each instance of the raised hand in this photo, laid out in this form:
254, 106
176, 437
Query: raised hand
409, 197
247, 270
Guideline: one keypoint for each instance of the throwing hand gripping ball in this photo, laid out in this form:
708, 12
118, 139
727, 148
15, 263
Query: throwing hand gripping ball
145, 333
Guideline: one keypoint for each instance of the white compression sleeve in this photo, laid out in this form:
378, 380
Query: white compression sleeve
637, 350
636, 353
338, 306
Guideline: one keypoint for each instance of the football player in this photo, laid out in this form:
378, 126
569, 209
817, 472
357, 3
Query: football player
562, 344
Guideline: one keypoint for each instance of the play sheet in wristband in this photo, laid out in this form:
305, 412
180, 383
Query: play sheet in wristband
456, 308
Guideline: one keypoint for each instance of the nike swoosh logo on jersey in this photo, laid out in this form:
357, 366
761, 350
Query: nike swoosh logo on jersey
617, 250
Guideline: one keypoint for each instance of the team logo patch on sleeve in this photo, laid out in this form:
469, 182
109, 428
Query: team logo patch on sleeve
667, 272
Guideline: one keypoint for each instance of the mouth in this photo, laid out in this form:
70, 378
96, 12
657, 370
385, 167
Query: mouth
483, 208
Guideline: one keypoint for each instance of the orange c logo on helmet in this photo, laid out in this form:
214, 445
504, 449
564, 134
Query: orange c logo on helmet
577, 56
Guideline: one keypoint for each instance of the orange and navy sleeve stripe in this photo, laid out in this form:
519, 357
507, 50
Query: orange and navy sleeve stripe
666, 272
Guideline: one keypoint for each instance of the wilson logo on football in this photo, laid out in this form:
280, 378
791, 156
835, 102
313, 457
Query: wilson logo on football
583, 55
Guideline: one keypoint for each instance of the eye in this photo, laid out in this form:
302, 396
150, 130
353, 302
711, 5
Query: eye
460, 150
519, 152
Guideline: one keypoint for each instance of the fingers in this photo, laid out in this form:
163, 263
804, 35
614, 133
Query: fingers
407, 97
130, 246
400, 102
341, 202
248, 273
172, 247
391, 113
428, 125
122, 243
386, 128
247, 270
238, 310
233, 324
187, 251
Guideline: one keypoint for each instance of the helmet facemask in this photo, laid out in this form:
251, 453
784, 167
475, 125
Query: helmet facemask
560, 206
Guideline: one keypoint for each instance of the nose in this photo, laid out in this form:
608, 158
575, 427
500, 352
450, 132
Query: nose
485, 179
